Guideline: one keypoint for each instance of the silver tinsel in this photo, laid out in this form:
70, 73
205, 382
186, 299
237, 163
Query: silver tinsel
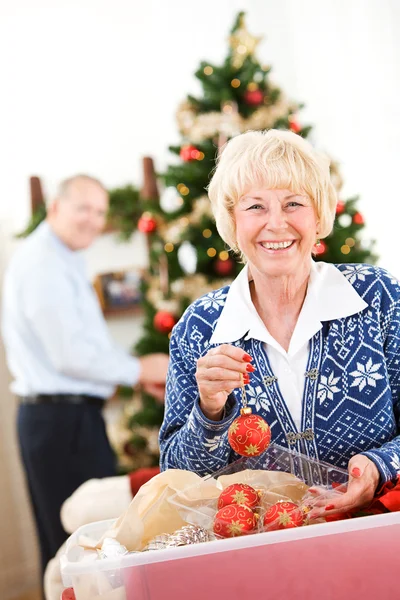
189, 534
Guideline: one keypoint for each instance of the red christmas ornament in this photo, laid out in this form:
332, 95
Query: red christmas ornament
253, 97
68, 594
249, 435
147, 223
294, 126
164, 321
284, 515
239, 493
320, 248
340, 206
224, 267
189, 153
233, 520
358, 219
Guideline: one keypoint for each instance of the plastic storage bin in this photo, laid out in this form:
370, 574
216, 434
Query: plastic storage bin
349, 559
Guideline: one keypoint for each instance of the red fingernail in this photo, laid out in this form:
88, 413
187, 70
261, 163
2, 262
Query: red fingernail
250, 368
312, 491
329, 507
247, 357
356, 472
246, 378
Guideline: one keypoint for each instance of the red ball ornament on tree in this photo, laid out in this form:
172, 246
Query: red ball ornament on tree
294, 126
147, 223
234, 520
358, 219
164, 321
224, 267
284, 515
189, 153
340, 206
239, 493
253, 97
320, 248
249, 435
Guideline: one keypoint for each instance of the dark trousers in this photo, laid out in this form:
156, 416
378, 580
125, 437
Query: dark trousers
62, 446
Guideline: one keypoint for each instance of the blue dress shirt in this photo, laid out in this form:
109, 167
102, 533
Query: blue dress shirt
54, 332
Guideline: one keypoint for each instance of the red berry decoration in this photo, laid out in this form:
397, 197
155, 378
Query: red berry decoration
68, 594
253, 97
284, 515
358, 219
239, 493
224, 267
233, 520
164, 321
249, 435
147, 223
189, 153
340, 206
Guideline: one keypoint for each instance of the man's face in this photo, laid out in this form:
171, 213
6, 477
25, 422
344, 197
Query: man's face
80, 216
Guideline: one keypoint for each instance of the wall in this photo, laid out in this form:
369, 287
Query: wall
92, 86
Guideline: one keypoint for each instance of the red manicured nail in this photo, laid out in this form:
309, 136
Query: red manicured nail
356, 472
329, 507
247, 357
246, 378
312, 491
250, 368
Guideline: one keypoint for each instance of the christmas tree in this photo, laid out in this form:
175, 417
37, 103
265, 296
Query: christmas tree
187, 256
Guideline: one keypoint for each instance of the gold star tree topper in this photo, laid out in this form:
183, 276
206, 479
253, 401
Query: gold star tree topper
243, 44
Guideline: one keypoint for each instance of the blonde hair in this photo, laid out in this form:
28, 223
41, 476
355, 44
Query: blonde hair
273, 159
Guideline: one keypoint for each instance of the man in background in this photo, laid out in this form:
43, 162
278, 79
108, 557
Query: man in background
62, 358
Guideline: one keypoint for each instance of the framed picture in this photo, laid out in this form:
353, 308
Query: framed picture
119, 292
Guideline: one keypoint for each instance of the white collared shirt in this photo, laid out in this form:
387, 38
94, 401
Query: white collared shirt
329, 296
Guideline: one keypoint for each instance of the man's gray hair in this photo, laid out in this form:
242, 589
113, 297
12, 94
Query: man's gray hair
65, 185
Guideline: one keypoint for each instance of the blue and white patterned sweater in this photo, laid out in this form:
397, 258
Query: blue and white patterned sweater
352, 403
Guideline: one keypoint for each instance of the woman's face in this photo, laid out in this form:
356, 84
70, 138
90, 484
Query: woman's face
276, 230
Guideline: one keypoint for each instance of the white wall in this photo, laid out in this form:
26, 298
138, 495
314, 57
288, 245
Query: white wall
93, 85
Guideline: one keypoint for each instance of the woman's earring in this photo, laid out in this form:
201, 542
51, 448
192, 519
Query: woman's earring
318, 242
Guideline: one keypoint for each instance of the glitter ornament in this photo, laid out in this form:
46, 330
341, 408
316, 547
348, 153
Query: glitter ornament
234, 520
249, 435
284, 515
239, 493
189, 534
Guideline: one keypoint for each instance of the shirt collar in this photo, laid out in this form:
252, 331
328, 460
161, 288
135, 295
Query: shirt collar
329, 296
73, 256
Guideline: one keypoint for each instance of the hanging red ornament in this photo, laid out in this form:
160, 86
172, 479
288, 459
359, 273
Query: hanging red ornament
340, 206
147, 223
224, 267
164, 321
189, 153
234, 520
249, 435
320, 248
68, 594
239, 493
294, 125
358, 219
253, 97
284, 515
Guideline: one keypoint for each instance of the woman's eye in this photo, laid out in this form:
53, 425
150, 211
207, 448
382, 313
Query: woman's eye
293, 204
253, 206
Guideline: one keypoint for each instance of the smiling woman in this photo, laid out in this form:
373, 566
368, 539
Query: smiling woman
315, 344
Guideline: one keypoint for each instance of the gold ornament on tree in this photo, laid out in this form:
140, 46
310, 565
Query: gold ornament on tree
242, 43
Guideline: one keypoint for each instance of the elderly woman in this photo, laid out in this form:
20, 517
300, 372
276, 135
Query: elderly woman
316, 345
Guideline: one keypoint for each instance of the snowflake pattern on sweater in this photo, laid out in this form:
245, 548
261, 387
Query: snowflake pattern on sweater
352, 406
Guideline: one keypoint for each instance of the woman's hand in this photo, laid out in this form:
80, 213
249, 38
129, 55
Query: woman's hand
219, 372
363, 481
